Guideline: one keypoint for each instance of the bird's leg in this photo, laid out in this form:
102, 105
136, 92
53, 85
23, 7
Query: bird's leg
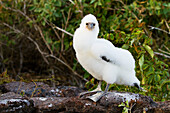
99, 95
98, 89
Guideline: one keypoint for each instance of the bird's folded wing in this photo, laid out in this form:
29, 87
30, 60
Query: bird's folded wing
106, 51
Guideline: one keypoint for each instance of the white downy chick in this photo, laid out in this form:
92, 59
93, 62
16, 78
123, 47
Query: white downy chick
101, 58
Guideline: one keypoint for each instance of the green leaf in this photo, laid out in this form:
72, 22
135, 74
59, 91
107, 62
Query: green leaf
152, 69
157, 78
149, 50
122, 104
148, 73
127, 103
58, 3
43, 23
165, 82
86, 75
99, 3
141, 62
150, 79
125, 110
125, 46
132, 41
145, 66
92, 1
111, 37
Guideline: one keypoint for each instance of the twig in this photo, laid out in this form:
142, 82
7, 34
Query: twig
24, 8
163, 51
167, 25
54, 26
34, 89
44, 40
151, 28
161, 54
166, 48
72, 2
67, 67
53, 78
51, 24
66, 23
64, 17
21, 59
63, 30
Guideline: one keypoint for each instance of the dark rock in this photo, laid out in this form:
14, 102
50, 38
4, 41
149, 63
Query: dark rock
11, 102
39, 97
39, 89
162, 107
69, 91
48, 104
138, 102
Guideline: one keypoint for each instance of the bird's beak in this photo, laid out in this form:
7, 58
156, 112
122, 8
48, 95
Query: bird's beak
90, 26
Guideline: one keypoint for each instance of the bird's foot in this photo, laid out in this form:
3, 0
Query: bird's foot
87, 92
98, 89
97, 96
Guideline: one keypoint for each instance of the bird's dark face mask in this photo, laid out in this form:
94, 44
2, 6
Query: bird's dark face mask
90, 25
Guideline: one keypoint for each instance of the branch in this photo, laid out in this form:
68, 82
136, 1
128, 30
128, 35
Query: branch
63, 30
52, 26
161, 54
66, 23
166, 48
151, 28
164, 51
44, 39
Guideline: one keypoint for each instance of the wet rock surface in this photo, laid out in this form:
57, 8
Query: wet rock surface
21, 97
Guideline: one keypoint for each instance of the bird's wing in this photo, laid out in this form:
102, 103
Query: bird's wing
104, 50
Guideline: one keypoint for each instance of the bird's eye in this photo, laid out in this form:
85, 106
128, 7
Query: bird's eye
93, 24
87, 24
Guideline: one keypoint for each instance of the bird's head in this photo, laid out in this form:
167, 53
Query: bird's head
90, 23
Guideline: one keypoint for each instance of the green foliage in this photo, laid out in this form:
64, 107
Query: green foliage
125, 23
5, 78
125, 106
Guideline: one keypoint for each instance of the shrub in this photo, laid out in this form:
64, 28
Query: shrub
34, 39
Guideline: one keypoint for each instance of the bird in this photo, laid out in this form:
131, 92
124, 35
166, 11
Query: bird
102, 59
